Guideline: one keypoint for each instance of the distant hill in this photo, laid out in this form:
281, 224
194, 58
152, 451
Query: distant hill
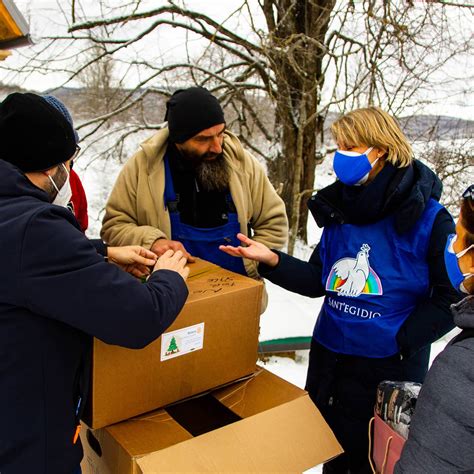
416, 127
424, 127
427, 127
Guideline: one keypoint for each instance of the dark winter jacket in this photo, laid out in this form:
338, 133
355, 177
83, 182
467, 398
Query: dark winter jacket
403, 193
442, 430
56, 293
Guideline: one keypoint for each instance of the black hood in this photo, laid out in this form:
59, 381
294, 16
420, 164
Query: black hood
16, 184
402, 192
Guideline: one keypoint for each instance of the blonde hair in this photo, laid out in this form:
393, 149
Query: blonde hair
372, 126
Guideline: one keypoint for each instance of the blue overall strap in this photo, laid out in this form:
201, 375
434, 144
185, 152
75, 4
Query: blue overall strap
204, 242
170, 195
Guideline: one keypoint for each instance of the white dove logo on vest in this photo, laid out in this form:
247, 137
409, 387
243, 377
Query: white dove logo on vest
354, 276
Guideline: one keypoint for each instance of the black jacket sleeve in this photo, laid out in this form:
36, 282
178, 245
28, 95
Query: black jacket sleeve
296, 275
432, 318
100, 246
64, 278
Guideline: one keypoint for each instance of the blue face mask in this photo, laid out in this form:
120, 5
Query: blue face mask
352, 168
456, 276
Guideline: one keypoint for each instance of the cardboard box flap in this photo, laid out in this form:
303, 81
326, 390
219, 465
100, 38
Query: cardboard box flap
139, 435
290, 438
252, 396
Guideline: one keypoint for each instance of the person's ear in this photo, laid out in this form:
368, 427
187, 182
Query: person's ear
50, 171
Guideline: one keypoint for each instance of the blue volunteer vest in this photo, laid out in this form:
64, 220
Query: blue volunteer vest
374, 278
200, 242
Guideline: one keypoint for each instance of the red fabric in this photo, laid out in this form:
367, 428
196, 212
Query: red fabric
79, 200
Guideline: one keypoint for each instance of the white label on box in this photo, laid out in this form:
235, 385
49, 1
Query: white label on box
183, 341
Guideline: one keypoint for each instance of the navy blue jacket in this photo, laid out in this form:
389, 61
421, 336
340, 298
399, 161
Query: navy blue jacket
56, 293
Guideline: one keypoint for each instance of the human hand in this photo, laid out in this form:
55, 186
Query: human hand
160, 246
253, 251
175, 261
133, 259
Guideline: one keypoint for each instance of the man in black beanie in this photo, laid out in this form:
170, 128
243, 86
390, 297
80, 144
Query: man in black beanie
192, 186
58, 292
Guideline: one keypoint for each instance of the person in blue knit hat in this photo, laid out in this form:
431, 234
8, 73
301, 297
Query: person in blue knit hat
58, 105
78, 202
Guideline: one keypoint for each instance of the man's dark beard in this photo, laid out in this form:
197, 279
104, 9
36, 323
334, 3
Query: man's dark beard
213, 175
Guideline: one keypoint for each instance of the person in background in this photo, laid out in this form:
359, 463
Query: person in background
441, 435
379, 265
192, 186
58, 292
78, 202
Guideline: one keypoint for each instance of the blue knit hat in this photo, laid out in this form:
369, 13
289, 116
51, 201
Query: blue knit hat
58, 105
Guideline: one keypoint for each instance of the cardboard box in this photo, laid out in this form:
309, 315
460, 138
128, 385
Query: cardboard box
277, 428
213, 341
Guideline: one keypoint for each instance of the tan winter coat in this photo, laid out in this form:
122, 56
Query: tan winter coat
136, 214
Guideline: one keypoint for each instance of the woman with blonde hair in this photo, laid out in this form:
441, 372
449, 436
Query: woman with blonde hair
379, 265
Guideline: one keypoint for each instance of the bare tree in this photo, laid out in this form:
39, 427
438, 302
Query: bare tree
99, 81
303, 58
454, 164
452, 159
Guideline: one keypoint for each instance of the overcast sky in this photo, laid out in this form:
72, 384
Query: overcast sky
47, 18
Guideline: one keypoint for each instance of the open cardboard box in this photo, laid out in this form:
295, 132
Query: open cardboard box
262, 424
213, 341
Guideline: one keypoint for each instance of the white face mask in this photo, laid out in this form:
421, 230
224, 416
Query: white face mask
65, 193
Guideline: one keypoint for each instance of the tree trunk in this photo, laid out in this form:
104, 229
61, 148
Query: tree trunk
297, 50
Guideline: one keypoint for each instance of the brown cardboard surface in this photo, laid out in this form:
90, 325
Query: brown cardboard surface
121, 444
279, 433
140, 435
247, 398
289, 438
111, 458
128, 382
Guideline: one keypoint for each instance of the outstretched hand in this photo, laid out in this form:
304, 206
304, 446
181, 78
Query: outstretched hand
133, 259
253, 250
175, 261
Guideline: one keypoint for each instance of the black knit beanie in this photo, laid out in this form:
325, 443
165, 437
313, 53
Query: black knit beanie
34, 135
189, 111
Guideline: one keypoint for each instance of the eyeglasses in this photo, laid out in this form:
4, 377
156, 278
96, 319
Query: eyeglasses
73, 157
469, 193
